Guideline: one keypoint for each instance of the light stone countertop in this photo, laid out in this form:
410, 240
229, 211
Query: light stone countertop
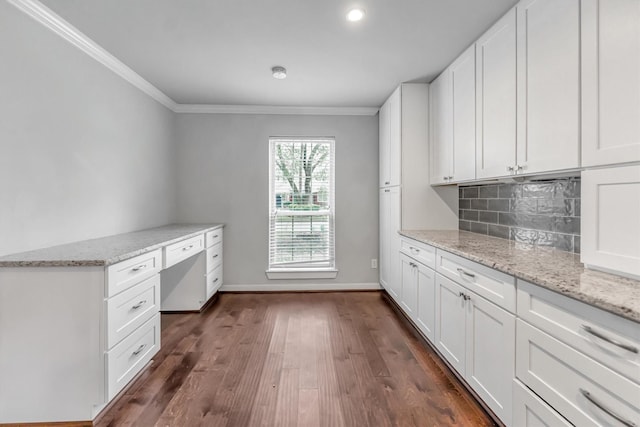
556, 270
106, 250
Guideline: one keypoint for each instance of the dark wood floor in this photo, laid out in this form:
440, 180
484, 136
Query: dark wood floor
298, 359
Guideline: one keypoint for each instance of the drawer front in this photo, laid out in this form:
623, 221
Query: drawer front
422, 253
493, 285
127, 358
584, 391
610, 339
213, 237
531, 411
128, 310
128, 273
214, 256
177, 252
214, 281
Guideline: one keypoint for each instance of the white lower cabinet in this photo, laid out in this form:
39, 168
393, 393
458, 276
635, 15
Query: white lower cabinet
409, 281
531, 411
451, 322
418, 294
390, 241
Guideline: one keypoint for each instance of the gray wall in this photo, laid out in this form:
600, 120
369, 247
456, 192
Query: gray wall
82, 152
223, 175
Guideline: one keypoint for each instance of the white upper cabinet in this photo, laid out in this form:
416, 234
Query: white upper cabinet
610, 81
440, 129
548, 121
496, 98
390, 140
463, 88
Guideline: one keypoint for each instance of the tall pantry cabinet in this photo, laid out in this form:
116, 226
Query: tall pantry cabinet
407, 201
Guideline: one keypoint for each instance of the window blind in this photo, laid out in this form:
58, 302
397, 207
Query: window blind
301, 207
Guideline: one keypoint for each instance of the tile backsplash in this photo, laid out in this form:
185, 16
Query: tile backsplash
544, 213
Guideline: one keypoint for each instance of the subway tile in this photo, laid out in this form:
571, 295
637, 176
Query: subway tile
470, 193
498, 231
469, 215
524, 236
577, 207
524, 206
490, 217
576, 244
562, 207
464, 225
567, 224
478, 227
509, 191
460, 192
500, 205
505, 218
564, 242
488, 192
464, 204
479, 204
540, 189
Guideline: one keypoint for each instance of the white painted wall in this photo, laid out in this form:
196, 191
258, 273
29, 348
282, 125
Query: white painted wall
223, 170
83, 153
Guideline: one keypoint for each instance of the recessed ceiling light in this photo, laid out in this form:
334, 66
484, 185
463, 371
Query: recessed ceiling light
355, 15
279, 72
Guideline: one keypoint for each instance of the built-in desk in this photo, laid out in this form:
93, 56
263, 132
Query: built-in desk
79, 321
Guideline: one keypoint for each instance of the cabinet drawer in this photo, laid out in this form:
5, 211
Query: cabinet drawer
610, 339
493, 285
131, 308
420, 252
125, 274
214, 281
531, 411
584, 391
214, 256
213, 237
177, 252
127, 358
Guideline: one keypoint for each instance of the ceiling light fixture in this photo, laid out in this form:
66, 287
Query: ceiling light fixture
355, 15
279, 72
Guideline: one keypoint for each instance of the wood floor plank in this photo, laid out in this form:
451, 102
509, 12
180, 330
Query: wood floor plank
294, 359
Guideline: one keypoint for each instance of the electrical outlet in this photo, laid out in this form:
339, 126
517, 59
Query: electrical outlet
374, 263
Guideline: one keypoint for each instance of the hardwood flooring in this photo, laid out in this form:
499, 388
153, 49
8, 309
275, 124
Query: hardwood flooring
294, 359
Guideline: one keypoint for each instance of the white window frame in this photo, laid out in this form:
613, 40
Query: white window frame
301, 270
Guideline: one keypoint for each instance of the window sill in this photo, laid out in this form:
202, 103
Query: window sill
301, 274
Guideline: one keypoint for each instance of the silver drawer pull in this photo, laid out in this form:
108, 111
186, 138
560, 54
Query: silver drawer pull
215, 280
140, 267
215, 237
601, 406
139, 350
186, 248
138, 305
412, 264
466, 273
603, 337
386, 183
414, 249
215, 256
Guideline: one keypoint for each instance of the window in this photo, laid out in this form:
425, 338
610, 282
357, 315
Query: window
301, 207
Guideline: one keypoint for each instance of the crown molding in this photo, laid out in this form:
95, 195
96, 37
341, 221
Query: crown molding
62, 28
71, 34
273, 109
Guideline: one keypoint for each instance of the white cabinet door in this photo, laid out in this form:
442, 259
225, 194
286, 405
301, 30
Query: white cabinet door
496, 98
463, 93
531, 411
611, 219
384, 145
548, 85
450, 322
440, 129
409, 280
490, 347
395, 136
610, 81
426, 309
390, 240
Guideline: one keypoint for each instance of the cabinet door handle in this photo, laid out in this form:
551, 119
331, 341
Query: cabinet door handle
510, 168
449, 178
215, 236
186, 248
466, 273
605, 409
445, 178
215, 256
140, 304
137, 352
603, 337
412, 249
140, 267
466, 297
461, 294
387, 191
215, 280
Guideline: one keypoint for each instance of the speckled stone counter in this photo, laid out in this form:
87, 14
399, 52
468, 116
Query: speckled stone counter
556, 270
106, 250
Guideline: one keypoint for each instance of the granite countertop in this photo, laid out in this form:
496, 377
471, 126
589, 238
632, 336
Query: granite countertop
556, 270
106, 250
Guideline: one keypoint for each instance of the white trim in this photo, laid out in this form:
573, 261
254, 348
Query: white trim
303, 274
55, 23
269, 287
71, 34
275, 109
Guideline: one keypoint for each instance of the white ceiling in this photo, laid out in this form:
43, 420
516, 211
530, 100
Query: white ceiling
221, 51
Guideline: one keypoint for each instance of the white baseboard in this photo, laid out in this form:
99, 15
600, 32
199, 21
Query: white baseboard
275, 287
